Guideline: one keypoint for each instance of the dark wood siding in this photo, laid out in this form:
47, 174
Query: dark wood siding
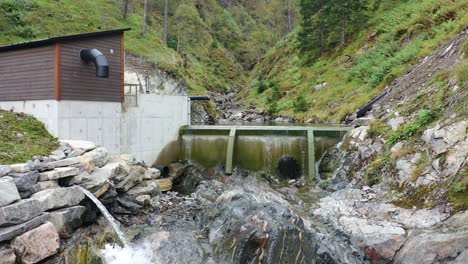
27, 74
79, 81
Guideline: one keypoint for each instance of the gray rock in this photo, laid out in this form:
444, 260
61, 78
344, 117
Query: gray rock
57, 164
7, 233
134, 177
37, 244
76, 152
396, 122
48, 185
34, 189
19, 212
19, 168
57, 154
67, 220
9, 192
176, 170
4, 170
152, 174
99, 155
58, 198
25, 181
80, 144
150, 188
7, 255
433, 247
59, 173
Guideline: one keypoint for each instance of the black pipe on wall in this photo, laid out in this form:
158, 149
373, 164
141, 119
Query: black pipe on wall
99, 60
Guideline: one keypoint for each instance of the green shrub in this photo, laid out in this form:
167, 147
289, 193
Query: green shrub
425, 117
272, 100
261, 86
300, 104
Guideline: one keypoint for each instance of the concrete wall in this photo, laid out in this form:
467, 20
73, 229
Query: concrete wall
142, 131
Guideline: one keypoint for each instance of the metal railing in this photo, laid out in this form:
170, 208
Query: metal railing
131, 94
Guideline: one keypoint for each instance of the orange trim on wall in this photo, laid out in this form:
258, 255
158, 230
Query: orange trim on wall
58, 72
122, 68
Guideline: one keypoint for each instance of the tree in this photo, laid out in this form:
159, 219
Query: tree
125, 8
145, 9
165, 21
328, 23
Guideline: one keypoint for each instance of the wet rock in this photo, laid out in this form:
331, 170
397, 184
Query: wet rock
433, 247
67, 220
4, 170
58, 198
7, 255
19, 212
25, 181
8, 190
7, 233
58, 173
37, 244
176, 170
80, 144
99, 155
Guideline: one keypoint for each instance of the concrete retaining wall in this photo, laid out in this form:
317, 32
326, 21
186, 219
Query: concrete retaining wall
142, 131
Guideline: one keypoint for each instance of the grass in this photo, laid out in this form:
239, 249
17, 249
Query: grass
21, 137
359, 71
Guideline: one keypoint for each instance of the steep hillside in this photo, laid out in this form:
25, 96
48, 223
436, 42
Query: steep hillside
333, 86
210, 44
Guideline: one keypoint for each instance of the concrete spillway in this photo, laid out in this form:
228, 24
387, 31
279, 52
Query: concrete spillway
258, 147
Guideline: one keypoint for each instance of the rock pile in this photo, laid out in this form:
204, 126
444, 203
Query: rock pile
39, 202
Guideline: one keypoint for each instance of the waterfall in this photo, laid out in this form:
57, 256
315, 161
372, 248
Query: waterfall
114, 224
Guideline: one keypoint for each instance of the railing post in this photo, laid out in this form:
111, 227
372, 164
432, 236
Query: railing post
311, 155
230, 150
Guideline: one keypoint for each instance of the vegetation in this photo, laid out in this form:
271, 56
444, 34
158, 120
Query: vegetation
394, 38
210, 44
21, 137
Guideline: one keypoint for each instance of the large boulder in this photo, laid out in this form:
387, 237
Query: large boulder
99, 155
37, 244
9, 192
7, 233
67, 220
58, 198
19, 212
25, 181
7, 255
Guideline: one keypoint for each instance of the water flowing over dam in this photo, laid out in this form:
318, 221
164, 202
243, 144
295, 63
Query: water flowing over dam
279, 150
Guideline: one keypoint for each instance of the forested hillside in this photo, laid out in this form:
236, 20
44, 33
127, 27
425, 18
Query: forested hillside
345, 54
212, 44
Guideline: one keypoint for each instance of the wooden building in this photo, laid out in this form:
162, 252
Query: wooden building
57, 68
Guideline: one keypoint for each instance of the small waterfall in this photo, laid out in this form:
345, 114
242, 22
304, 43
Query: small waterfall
114, 224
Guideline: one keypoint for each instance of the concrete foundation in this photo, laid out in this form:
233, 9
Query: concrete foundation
142, 131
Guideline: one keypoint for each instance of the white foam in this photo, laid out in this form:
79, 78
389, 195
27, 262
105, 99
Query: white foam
118, 255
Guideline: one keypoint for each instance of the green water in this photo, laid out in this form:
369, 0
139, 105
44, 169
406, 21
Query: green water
253, 152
